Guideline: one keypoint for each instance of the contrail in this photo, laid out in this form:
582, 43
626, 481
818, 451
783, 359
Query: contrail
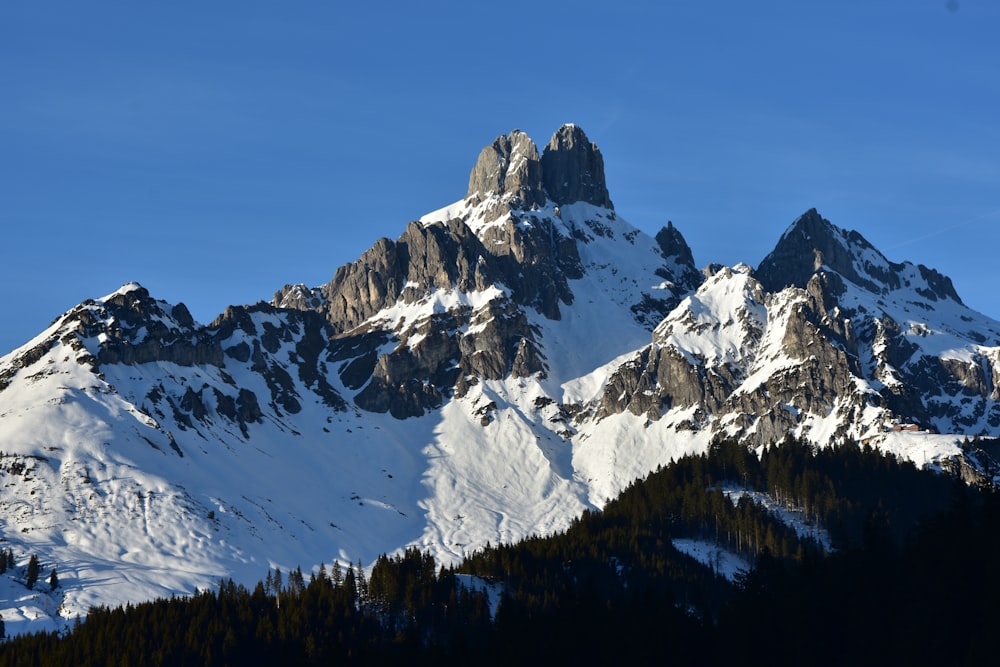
949, 228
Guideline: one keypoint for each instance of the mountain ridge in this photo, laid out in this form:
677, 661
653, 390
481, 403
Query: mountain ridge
509, 361
812, 242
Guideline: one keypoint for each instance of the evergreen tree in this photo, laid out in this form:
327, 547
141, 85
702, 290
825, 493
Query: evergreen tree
362, 582
53, 580
338, 575
31, 576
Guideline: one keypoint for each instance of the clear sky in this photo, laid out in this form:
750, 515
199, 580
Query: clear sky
215, 151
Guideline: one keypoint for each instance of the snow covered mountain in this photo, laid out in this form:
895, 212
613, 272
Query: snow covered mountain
827, 339
509, 361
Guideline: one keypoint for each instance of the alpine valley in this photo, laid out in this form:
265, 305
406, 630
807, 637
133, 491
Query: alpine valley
509, 362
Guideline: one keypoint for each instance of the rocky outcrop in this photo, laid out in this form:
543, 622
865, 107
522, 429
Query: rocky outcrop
134, 328
433, 358
816, 382
705, 354
528, 256
849, 333
533, 262
26, 359
298, 297
669, 375
672, 244
508, 169
813, 244
286, 349
573, 169
938, 286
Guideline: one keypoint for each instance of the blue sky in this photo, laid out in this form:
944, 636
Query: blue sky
215, 151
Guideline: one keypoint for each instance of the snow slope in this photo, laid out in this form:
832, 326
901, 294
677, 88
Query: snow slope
113, 478
146, 455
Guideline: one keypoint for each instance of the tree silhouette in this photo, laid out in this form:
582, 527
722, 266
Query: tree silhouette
31, 576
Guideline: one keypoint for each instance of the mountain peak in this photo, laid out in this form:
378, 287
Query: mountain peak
573, 169
131, 286
509, 167
812, 244
672, 244
570, 170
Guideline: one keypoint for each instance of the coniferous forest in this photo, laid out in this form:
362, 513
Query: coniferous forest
908, 576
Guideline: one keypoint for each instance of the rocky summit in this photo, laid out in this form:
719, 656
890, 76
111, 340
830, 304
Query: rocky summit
509, 253
507, 362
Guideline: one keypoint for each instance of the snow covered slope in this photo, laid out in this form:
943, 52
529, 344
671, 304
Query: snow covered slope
509, 361
827, 340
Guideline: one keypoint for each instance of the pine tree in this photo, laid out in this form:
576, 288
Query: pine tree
362, 583
338, 575
31, 576
53, 580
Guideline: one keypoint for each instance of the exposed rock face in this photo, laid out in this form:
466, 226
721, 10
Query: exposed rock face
509, 174
570, 170
883, 339
673, 244
432, 351
534, 261
137, 329
573, 169
508, 168
684, 370
299, 297
813, 244
130, 328
683, 268
827, 330
505, 242
667, 375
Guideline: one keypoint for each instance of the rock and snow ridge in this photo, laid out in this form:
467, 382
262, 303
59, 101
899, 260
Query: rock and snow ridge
510, 360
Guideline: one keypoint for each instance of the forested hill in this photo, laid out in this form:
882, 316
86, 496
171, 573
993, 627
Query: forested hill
904, 572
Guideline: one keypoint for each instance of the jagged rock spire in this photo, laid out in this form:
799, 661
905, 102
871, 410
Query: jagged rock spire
509, 166
573, 169
672, 244
570, 170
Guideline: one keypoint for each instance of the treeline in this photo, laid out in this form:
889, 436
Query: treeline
931, 599
850, 490
913, 550
6, 560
